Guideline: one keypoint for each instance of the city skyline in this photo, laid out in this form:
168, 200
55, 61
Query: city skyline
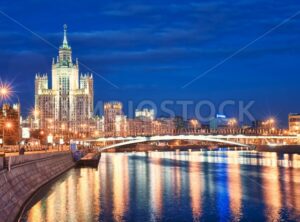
149, 110
153, 58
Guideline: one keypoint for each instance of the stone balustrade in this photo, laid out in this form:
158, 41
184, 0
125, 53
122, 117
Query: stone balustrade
21, 159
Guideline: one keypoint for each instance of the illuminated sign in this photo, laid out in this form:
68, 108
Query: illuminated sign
25, 133
50, 138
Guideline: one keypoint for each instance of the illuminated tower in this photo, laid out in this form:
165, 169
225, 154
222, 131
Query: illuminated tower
69, 104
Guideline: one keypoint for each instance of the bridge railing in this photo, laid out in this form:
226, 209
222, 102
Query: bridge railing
232, 131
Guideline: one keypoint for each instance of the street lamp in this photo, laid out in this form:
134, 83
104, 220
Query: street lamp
271, 122
232, 122
5, 91
194, 123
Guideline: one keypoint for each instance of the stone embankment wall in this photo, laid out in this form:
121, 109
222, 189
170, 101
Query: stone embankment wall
26, 175
288, 149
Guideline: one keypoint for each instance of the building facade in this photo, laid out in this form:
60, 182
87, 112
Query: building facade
163, 126
115, 123
294, 123
218, 122
69, 103
139, 127
145, 114
10, 124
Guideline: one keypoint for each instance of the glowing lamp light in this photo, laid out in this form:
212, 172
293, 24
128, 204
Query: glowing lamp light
194, 122
50, 138
8, 125
272, 120
35, 112
5, 90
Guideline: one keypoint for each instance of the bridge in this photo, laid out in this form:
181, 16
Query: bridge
241, 140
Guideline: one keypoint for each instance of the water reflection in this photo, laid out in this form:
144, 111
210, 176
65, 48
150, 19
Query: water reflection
75, 192
196, 186
120, 186
235, 186
156, 185
176, 186
272, 193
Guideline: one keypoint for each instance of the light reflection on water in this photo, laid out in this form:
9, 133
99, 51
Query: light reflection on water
182, 186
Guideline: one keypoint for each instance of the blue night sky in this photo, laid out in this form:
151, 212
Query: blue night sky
151, 49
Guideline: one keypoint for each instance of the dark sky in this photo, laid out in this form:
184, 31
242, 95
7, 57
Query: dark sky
151, 49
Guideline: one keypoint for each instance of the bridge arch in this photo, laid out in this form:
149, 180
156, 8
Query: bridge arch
168, 138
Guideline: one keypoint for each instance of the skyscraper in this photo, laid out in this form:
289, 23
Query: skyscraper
69, 103
115, 123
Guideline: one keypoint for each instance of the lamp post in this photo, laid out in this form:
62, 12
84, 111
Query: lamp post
232, 123
271, 125
5, 92
195, 124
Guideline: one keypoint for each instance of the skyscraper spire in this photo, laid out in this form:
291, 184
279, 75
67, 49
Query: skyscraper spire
65, 42
65, 52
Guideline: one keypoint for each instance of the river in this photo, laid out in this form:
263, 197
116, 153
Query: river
175, 186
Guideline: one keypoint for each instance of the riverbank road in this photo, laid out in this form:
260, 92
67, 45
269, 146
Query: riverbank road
51, 150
